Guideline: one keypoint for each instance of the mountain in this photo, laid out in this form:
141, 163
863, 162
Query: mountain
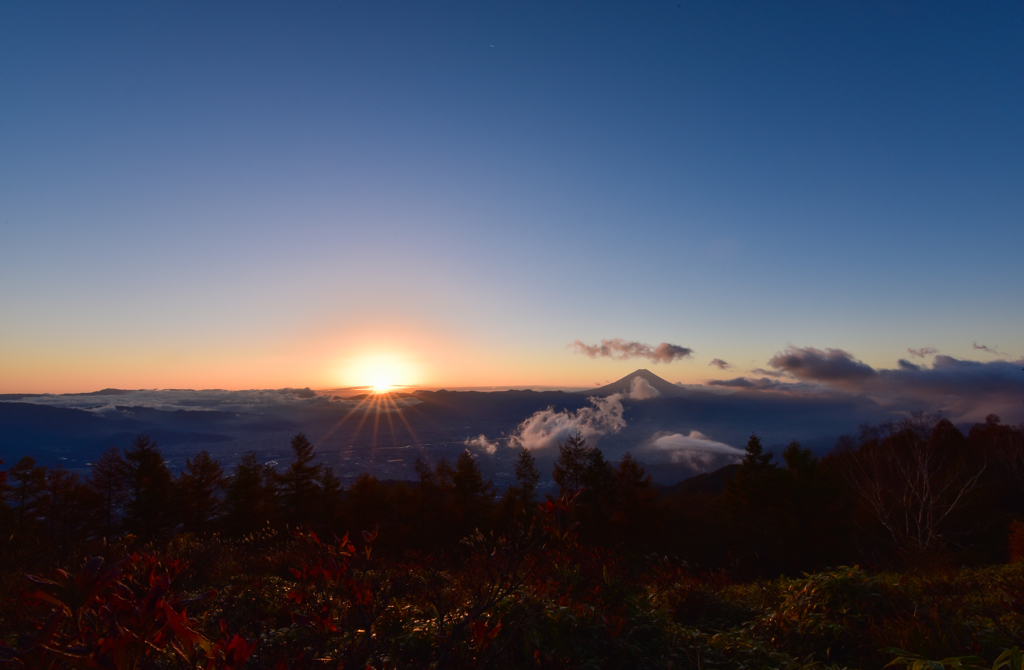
664, 388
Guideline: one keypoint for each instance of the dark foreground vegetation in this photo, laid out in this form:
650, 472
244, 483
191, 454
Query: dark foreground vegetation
753, 567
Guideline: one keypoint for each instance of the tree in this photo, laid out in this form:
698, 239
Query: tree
200, 487
28, 480
150, 488
299, 487
66, 506
331, 493
635, 499
915, 477
249, 495
474, 496
527, 477
107, 479
756, 460
571, 466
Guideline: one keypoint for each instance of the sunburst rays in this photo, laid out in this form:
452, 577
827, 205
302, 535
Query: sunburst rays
375, 406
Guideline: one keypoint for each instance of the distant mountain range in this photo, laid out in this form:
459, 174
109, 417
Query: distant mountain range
677, 431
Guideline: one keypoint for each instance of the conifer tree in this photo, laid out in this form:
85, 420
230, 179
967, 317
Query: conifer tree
150, 488
200, 486
527, 477
634, 493
107, 479
248, 497
299, 487
756, 461
473, 494
27, 481
571, 466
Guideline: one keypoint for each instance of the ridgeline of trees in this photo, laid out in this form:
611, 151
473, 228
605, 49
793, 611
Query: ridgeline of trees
900, 493
917, 495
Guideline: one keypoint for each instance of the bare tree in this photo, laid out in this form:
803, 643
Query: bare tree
915, 476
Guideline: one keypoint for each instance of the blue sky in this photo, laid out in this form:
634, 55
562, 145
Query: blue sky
256, 195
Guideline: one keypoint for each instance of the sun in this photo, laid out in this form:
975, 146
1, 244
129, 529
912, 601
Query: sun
380, 373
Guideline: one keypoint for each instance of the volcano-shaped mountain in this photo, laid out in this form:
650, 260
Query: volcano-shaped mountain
664, 388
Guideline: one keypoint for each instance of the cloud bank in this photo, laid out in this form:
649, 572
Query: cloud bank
696, 450
964, 390
720, 364
621, 349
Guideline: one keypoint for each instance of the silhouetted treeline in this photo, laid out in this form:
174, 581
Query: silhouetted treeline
914, 491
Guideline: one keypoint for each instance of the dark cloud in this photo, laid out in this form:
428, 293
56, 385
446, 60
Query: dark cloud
739, 382
964, 390
768, 373
816, 365
762, 384
720, 364
989, 350
923, 351
621, 349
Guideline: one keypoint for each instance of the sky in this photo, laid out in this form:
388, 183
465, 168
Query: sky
264, 195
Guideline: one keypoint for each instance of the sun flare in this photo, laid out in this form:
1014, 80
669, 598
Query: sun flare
381, 373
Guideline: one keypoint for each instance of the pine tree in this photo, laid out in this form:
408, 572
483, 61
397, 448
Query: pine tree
248, 499
474, 495
756, 461
200, 486
571, 466
107, 479
150, 488
527, 477
299, 487
27, 483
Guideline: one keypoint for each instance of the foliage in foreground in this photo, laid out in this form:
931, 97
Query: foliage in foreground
536, 598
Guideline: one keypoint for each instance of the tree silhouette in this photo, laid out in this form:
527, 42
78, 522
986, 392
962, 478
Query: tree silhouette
107, 479
474, 496
249, 495
914, 477
756, 460
200, 487
150, 488
299, 486
28, 480
571, 466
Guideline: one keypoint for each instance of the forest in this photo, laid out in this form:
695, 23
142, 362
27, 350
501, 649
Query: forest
902, 546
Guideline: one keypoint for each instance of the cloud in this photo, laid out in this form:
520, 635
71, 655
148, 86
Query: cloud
769, 373
720, 364
621, 349
482, 443
642, 390
752, 384
254, 400
923, 351
831, 365
964, 390
696, 450
989, 350
547, 428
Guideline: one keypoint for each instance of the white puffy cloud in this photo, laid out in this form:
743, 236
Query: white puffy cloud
482, 443
547, 428
642, 390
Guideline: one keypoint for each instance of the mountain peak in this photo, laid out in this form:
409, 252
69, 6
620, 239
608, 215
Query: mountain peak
624, 385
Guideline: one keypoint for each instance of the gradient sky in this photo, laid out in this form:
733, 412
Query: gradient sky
245, 195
